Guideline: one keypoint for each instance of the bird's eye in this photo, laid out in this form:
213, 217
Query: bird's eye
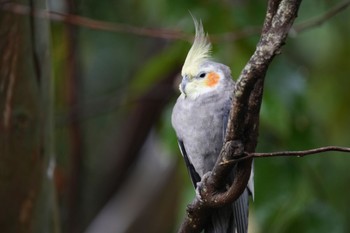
202, 75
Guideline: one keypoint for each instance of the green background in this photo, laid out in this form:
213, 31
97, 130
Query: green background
305, 105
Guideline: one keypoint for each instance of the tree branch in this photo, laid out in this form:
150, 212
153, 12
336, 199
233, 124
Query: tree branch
300, 153
242, 130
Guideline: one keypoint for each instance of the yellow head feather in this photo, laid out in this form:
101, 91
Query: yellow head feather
199, 52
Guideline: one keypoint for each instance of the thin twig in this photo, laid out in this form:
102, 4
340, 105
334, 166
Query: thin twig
95, 24
301, 153
163, 33
317, 21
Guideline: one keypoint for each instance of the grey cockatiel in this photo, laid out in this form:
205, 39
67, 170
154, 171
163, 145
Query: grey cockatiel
199, 118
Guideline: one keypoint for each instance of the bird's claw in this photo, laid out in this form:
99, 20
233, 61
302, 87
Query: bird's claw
201, 189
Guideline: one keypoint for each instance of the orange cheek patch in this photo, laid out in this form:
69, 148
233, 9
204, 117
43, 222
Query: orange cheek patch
212, 79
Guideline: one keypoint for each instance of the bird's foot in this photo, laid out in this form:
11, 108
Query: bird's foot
201, 190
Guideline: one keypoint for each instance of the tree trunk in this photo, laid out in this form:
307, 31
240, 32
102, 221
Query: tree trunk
25, 120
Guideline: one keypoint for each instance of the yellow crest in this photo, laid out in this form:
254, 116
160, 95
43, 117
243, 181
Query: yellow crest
199, 52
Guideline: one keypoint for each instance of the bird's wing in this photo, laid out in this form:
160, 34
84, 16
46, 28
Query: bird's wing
195, 178
250, 185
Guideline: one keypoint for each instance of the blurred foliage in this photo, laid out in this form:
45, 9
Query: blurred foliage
305, 105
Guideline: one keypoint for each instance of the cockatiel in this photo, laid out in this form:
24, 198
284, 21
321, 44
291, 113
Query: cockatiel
199, 118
